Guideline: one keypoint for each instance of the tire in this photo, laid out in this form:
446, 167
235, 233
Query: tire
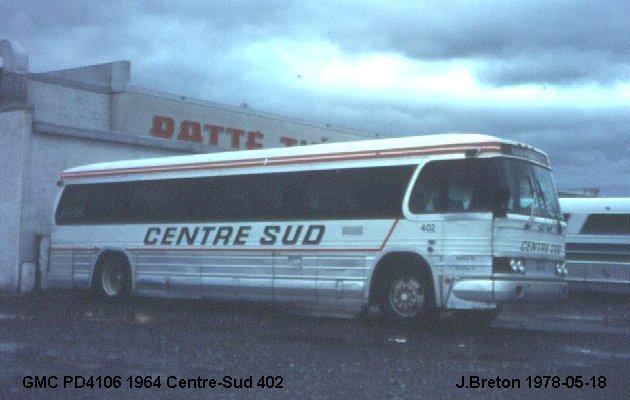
407, 297
113, 280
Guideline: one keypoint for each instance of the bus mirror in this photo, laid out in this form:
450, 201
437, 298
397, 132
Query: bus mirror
501, 203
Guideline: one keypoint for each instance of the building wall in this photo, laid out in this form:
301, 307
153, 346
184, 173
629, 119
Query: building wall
69, 106
14, 143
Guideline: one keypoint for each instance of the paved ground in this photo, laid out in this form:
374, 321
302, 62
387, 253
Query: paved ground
583, 340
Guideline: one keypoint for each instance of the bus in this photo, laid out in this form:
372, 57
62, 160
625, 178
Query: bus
408, 226
598, 244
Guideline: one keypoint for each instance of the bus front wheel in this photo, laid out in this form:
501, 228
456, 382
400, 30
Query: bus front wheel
406, 297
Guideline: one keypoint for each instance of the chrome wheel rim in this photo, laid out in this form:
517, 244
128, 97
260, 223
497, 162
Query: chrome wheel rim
406, 297
112, 280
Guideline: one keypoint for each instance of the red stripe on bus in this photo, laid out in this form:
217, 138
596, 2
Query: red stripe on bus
389, 234
74, 248
210, 249
489, 147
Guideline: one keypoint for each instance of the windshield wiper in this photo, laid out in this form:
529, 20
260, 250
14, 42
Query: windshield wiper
542, 197
545, 206
535, 202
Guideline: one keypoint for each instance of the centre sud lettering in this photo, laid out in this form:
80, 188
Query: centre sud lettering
226, 235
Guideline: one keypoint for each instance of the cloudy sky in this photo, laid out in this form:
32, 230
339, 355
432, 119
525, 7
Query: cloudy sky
555, 74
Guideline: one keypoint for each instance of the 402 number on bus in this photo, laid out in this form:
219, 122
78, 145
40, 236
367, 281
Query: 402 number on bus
427, 228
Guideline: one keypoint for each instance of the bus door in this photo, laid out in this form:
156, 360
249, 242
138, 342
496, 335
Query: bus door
451, 205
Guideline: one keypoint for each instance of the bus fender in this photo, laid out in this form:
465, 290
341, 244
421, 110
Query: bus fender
407, 258
113, 252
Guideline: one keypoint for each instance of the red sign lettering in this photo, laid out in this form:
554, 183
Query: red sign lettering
193, 131
287, 141
236, 137
163, 127
251, 140
190, 131
214, 132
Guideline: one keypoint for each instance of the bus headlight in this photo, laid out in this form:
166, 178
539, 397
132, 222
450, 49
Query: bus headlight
561, 269
508, 265
517, 266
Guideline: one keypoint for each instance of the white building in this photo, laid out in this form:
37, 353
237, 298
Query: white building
60, 119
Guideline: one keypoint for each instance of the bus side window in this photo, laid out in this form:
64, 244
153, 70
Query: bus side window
275, 196
326, 197
108, 203
71, 207
606, 224
455, 186
444, 186
460, 189
428, 192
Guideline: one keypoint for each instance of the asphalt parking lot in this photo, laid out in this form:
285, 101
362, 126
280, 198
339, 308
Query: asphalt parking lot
149, 348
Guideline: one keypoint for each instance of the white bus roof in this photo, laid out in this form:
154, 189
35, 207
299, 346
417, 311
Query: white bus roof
417, 146
597, 205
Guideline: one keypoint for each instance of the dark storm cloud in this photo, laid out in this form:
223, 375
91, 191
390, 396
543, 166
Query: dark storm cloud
511, 42
556, 66
514, 42
230, 15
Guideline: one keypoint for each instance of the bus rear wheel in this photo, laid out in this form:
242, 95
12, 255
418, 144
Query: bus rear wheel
406, 297
113, 280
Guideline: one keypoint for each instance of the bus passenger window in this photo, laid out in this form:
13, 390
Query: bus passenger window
460, 189
454, 186
427, 194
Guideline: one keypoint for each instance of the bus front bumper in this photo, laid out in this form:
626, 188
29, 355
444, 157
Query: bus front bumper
488, 292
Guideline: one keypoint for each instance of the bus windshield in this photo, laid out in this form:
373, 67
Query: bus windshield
529, 186
483, 185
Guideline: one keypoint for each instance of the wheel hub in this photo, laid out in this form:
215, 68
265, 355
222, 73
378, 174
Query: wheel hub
406, 297
112, 281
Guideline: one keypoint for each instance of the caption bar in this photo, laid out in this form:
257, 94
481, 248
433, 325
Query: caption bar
150, 382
